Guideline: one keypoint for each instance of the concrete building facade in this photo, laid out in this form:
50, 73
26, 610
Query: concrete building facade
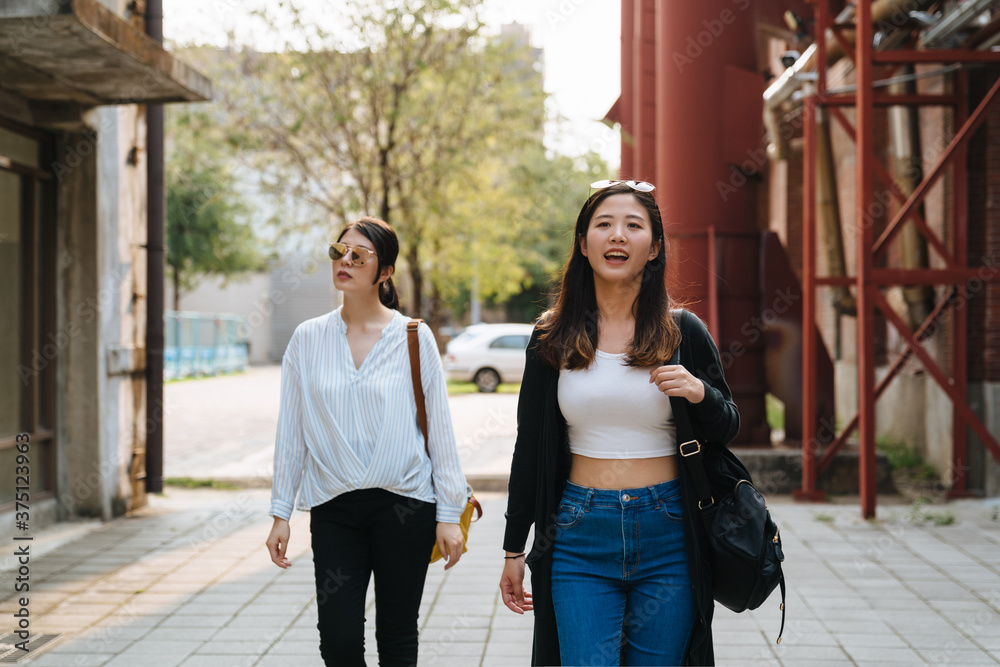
75, 76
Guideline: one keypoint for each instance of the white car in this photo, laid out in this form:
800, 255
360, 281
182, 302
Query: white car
488, 354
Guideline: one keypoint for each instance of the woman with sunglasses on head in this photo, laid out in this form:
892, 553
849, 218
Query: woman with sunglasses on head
617, 566
350, 447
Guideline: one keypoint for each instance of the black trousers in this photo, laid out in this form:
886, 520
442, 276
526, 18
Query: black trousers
358, 534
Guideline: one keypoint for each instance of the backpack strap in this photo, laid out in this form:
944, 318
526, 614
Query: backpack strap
413, 342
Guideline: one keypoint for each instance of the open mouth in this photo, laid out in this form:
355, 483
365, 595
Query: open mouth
616, 256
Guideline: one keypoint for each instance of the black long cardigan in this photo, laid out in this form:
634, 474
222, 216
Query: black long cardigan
540, 469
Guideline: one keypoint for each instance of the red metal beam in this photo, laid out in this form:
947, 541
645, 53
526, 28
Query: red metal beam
960, 203
894, 190
810, 444
809, 490
935, 56
970, 125
866, 291
626, 100
947, 384
886, 100
923, 332
890, 277
844, 44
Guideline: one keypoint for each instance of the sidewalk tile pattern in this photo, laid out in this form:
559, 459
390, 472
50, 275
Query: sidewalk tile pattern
187, 582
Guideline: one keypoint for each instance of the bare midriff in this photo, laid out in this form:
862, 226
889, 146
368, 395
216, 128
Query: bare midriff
622, 473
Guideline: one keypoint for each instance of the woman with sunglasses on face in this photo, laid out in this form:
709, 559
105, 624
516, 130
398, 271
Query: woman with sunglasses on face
617, 558
350, 446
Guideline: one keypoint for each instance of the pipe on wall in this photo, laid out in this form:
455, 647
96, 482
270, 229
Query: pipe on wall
792, 78
907, 171
828, 216
155, 245
953, 21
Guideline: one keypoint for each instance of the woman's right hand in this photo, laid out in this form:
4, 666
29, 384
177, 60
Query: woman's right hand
277, 543
512, 590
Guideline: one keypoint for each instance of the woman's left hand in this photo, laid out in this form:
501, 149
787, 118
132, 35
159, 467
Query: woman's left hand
449, 541
677, 381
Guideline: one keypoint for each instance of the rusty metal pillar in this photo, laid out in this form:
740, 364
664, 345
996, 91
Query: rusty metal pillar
864, 155
706, 166
959, 374
644, 81
626, 101
809, 351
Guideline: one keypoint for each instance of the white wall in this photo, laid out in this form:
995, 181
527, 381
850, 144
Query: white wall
248, 297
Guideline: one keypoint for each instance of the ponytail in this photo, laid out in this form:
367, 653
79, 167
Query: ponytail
387, 294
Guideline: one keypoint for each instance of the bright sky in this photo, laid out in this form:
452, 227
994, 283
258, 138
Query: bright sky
581, 39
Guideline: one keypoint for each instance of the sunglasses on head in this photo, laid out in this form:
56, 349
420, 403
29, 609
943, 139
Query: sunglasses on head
638, 186
359, 255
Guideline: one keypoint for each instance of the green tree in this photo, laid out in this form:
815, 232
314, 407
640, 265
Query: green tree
206, 229
412, 115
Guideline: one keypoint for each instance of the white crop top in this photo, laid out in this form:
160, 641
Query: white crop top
613, 411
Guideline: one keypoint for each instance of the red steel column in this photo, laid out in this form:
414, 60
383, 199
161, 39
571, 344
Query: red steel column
864, 233
699, 46
809, 490
959, 460
626, 101
644, 82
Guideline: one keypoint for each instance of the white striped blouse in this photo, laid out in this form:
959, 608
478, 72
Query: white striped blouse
343, 428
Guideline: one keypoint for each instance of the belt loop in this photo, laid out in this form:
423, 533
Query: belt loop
656, 496
587, 500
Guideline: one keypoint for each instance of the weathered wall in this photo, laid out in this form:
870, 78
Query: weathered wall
123, 190
101, 284
80, 395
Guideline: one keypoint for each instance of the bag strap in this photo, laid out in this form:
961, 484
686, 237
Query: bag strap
413, 343
781, 582
479, 515
690, 451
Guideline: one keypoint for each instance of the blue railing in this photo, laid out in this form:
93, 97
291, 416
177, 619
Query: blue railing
203, 344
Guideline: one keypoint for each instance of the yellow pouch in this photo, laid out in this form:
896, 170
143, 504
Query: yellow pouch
471, 507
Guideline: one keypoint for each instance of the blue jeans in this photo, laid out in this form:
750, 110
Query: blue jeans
620, 581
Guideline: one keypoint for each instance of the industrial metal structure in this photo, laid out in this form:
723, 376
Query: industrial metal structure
694, 83
869, 280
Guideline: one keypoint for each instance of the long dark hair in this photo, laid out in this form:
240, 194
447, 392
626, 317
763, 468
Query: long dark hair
386, 243
568, 332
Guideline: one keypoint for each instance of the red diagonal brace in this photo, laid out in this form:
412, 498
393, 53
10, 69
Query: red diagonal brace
844, 44
970, 125
946, 383
897, 365
917, 219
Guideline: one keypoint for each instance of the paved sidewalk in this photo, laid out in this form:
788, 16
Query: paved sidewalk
187, 582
